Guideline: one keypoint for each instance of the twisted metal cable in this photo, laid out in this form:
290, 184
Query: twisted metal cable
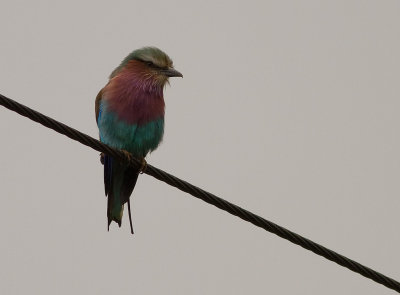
202, 194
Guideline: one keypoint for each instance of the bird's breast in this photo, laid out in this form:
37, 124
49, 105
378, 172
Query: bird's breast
133, 102
139, 139
132, 117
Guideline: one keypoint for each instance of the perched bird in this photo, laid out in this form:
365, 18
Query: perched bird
130, 117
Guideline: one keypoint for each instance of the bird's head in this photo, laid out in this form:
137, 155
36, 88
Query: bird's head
150, 63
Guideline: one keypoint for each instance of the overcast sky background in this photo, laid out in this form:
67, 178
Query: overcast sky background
289, 109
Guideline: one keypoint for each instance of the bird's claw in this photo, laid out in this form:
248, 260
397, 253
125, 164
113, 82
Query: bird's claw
143, 166
127, 155
102, 158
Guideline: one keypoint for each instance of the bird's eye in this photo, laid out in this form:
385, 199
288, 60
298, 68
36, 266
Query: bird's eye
149, 63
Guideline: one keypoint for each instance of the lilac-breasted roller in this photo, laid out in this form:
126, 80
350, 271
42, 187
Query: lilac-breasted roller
130, 117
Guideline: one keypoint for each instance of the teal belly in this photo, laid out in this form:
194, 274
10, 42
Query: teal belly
136, 139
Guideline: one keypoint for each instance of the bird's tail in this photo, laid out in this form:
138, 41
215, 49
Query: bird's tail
119, 182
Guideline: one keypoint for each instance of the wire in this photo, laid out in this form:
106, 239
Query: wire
202, 194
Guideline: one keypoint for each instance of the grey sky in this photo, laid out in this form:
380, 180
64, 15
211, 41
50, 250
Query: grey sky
289, 109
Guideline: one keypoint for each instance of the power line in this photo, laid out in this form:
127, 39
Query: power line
202, 194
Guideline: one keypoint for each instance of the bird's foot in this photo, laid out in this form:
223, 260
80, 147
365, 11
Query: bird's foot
143, 166
127, 154
102, 158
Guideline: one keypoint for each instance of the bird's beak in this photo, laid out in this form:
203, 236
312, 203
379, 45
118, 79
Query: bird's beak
171, 72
